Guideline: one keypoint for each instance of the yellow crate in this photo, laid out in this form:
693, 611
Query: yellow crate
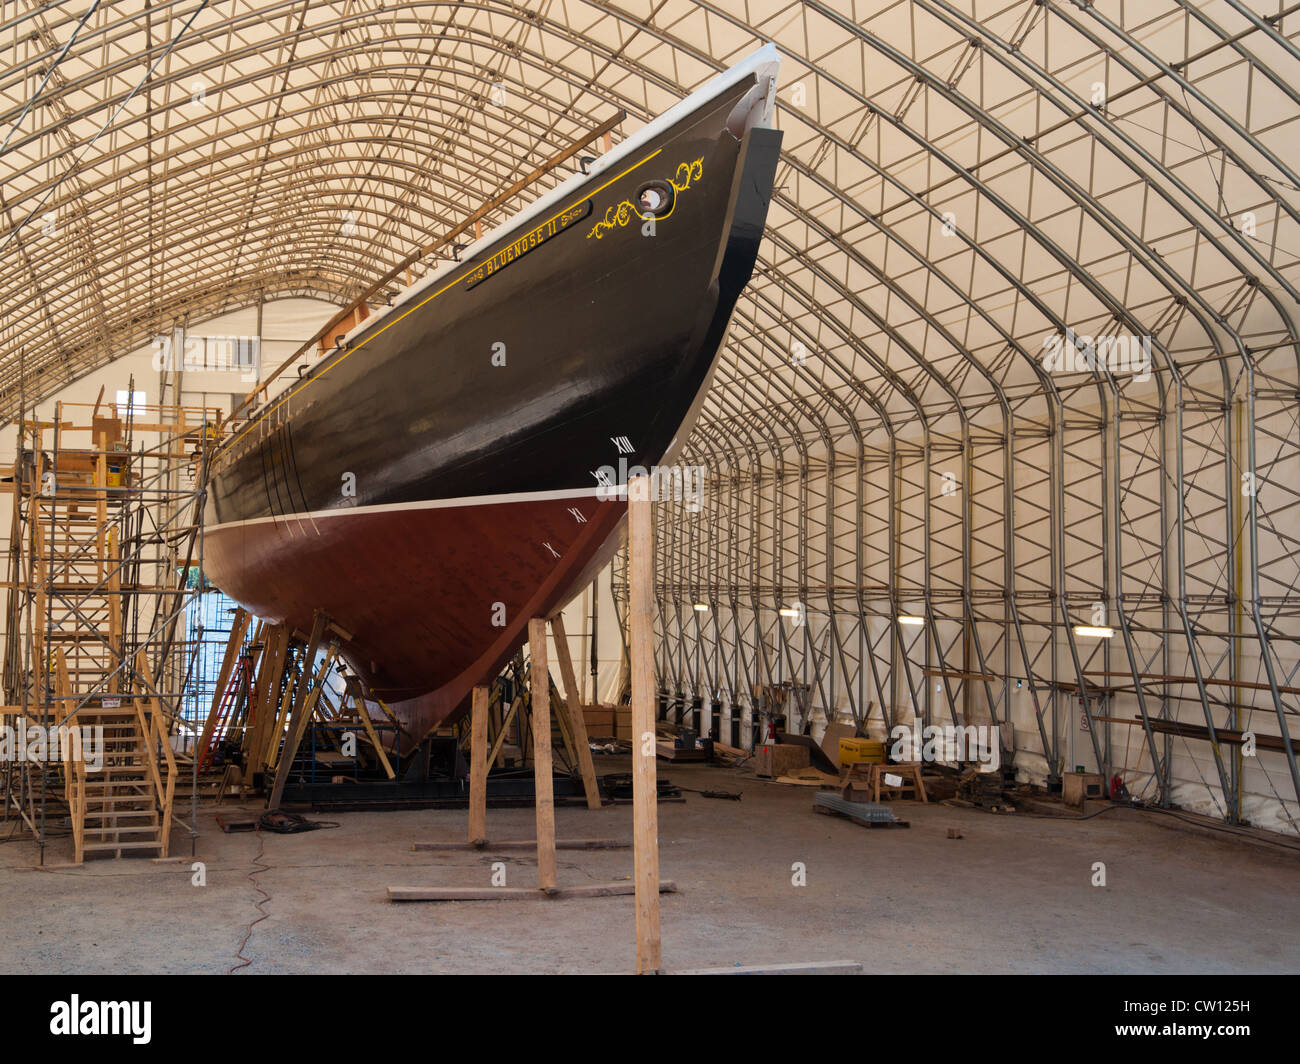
862, 751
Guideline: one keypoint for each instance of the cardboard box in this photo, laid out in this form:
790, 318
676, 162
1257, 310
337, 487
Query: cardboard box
831, 740
779, 759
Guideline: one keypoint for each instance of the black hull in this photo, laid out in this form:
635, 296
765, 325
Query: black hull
605, 339
609, 335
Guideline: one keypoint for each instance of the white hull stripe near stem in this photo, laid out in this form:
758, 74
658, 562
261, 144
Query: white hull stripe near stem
429, 504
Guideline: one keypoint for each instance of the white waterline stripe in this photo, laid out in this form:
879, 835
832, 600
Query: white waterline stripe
427, 504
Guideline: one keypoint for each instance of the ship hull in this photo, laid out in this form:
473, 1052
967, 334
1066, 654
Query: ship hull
429, 623
439, 479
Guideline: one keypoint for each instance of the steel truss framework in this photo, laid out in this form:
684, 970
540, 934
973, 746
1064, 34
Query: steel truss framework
966, 190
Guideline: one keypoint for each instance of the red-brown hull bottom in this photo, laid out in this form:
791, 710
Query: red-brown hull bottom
439, 596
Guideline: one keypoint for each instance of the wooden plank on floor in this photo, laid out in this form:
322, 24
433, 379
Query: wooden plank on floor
525, 844
796, 968
586, 890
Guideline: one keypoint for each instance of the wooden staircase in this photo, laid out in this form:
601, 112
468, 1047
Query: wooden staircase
124, 805
122, 799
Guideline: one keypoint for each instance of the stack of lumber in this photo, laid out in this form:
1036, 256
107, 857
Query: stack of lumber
995, 791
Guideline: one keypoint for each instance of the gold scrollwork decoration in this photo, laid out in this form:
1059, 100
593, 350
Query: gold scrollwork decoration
618, 215
686, 173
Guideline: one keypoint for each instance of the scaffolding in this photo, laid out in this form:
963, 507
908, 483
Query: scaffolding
104, 558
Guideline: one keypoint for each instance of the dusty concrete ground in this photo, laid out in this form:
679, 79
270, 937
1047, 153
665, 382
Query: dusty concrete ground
1014, 895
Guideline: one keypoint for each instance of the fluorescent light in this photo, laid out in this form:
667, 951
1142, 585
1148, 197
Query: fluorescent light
1092, 632
904, 618
701, 607
788, 611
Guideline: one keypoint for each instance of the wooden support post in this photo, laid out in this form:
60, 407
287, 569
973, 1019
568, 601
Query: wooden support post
560, 715
478, 767
371, 734
504, 730
645, 810
290, 749
391, 717
234, 645
248, 739
265, 698
275, 737
40, 580
101, 507
523, 729
314, 698
115, 595
496, 725
542, 782
577, 723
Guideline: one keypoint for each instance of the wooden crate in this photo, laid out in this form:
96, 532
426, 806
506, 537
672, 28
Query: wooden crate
1078, 786
780, 759
600, 721
606, 722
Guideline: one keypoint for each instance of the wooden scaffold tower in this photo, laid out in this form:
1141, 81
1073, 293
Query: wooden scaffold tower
104, 543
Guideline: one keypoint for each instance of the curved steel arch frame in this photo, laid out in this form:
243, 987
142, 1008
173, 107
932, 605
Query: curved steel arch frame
965, 189
1144, 509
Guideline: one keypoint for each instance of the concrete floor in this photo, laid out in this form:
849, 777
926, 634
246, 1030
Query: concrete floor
1013, 895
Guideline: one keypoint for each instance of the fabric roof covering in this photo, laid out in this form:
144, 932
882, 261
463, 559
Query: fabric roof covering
172, 160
